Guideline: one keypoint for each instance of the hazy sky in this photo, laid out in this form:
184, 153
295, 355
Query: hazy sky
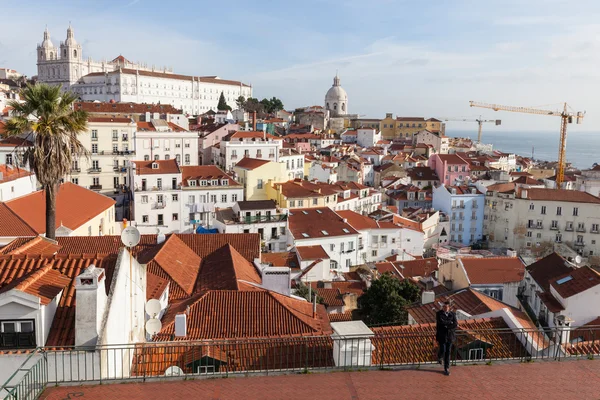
412, 58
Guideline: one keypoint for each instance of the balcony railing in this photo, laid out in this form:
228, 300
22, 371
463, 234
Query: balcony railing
259, 219
579, 244
75, 170
95, 170
96, 187
553, 228
240, 357
158, 206
123, 153
580, 229
17, 340
569, 229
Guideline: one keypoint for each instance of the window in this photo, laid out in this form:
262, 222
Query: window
115, 135
594, 227
160, 219
159, 183
144, 218
191, 199
375, 239
292, 203
300, 203
475, 354
146, 157
94, 148
75, 181
531, 207
94, 135
17, 334
384, 239
543, 210
332, 247
529, 234
234, 197
575, 211
175, 217
259, 183
213, 198
374, 253
187, 159
315, 201
192, 183
223, 198
115, 148
554, 224
175, 197
144, 199
342, 247
538, 235
558, 210
96, 181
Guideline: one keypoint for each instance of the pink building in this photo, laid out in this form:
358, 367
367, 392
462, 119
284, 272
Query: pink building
449, 168
301, 141
210, 135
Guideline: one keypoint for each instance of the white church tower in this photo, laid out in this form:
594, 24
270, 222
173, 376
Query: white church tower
70, 53
336, 99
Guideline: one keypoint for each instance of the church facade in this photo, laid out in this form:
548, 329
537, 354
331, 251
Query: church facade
336, 105
121, 80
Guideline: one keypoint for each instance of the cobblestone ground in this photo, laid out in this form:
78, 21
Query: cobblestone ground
538, 380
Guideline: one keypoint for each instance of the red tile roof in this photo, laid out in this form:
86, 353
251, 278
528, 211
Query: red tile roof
571, 196
451, 159
340, 317
165, 75
318, 223
75, 206
12, 224
251, 163
331, 296
9, 173
220, 314
125, 108
362, 222
205, 172
253, 135
311, 252
493, 269
550, 302
38, 245
589, 331
226, 269
575, 282
282, 259
164, 167
414, 343
109, 120
44, 283
547, 269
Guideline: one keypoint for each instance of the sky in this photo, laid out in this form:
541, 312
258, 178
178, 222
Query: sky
410, 58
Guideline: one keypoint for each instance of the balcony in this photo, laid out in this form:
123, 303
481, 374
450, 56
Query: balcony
580, 229
94, 170
569, 229
96, 187
578, 244
124, 138
158, 205
75, 170
594, 230
554, 228
123, 153
540, 226
361, 246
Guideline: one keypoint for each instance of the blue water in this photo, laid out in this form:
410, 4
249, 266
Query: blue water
583, 148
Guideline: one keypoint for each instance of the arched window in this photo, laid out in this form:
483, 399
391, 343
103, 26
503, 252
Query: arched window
75, 53
334, 106
51, 55
343, 107
328, 106
65, 52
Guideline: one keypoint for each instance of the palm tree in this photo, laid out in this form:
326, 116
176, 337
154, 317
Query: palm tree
48, 119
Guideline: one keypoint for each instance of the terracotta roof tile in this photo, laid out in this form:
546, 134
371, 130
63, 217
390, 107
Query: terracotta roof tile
311, 252
576, 281
282, 259
13, 225
571, 196
38, 245
163, 167
550, 302
75, 206
340, 317
109, 120
318, 223
251, 163
493, 269
205, 172
545, 270
589, 331
125, 108
9, 173
44, 283
224, 269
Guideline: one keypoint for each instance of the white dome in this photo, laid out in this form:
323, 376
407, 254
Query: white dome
336, 93
47, 43
70, 37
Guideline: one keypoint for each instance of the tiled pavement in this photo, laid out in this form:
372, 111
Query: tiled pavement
539, 380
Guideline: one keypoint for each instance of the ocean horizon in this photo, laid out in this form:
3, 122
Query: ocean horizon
582, 147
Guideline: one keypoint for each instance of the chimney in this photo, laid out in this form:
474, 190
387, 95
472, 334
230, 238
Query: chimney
427, 297
181, 325
277, 279
254, 121
511, 252
90, 296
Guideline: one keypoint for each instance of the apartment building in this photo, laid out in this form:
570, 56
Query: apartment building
257, 216
293, 161
15, 182
450, 168
110, 142
438, 141
162, 140
240, 144
531, 219
465, 207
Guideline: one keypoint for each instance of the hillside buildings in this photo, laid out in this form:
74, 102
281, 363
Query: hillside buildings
123, 81
465, 207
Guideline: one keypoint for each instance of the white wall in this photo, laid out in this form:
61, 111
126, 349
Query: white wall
18, 187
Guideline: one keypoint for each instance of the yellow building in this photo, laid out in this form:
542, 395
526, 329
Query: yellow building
302, 194
256, 175
407, 127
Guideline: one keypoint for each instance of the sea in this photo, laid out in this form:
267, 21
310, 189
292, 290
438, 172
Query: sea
583, 148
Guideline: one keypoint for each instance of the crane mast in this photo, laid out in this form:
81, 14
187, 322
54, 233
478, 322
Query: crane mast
566, 118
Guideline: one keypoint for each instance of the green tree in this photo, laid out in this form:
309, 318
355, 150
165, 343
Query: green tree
47, 114
240, 102
253, 105
386, 299
276, 105
302, 291
223, 103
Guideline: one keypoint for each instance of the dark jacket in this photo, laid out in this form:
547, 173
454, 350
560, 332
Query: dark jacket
445, 330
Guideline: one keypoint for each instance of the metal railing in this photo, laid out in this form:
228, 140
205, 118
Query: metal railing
391, 346
259, 219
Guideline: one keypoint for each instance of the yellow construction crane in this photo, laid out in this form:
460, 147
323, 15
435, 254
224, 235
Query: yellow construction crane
480, 121
566, 117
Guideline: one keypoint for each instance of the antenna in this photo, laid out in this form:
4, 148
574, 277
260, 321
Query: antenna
153, 326
153, 308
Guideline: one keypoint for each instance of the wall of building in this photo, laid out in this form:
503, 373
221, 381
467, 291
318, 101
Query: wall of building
167, 145
18, 187
256, 181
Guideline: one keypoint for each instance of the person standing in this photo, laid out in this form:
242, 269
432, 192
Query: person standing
445, 334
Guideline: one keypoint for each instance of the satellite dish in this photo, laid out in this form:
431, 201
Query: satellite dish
153, 307
577, 259
130, 236
153, 326
174, 371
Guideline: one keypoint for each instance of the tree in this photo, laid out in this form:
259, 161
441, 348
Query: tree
386, 299
47, 114
276, 105
253, 105
302, 291
240, 102
223, 103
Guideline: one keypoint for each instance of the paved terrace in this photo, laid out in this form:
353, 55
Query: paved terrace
546, 380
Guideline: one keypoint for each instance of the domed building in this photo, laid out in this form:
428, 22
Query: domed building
336, 99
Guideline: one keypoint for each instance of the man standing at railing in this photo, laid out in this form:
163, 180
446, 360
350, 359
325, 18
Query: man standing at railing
445, 334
